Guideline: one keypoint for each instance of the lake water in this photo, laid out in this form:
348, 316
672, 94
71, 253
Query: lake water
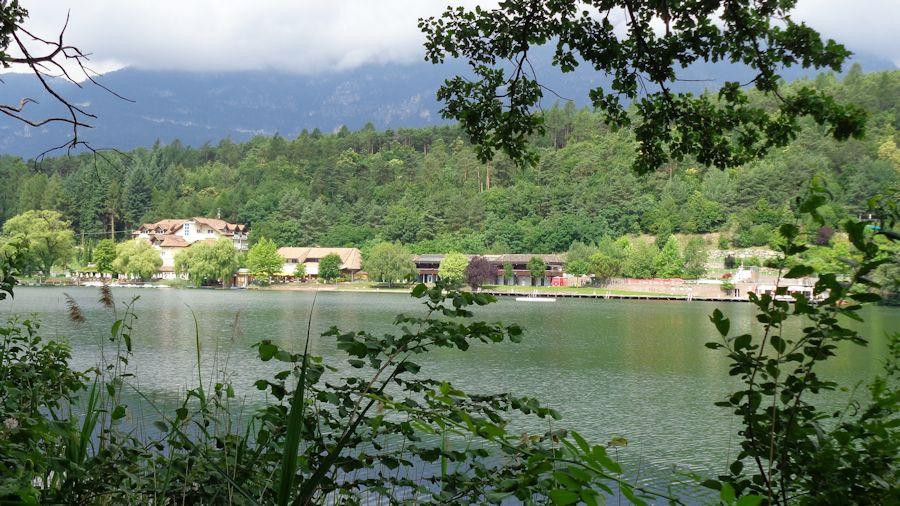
635, 369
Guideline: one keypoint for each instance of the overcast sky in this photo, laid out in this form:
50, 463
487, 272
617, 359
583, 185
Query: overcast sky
313, 36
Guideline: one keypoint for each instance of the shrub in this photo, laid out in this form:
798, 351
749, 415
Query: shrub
730, 262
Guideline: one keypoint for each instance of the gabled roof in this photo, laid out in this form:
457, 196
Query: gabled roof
173, 241
351, 258
171, 226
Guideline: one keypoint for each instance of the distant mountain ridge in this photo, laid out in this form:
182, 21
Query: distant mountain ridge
197, 108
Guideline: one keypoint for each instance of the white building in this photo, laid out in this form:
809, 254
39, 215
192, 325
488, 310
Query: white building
172, 236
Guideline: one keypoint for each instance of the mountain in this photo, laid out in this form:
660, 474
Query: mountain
197, 108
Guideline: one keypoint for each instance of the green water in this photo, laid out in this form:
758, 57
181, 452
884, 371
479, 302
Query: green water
636, 369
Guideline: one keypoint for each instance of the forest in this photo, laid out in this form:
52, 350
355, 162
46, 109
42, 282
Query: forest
426, 188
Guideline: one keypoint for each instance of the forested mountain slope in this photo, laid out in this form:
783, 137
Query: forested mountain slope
424, 186
200, 107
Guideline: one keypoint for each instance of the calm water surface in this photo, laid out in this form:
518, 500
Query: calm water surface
636, 369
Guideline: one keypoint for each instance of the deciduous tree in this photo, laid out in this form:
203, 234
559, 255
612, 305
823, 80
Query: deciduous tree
656, 40
537, 267
453, 267
137, 257
46, 239
204, 262
330, 267
104, 255
263, 259
389, 262
480, 271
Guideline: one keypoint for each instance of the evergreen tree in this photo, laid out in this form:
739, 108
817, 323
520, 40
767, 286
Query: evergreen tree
668, 262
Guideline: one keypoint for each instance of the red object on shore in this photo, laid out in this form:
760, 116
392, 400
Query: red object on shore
557, 281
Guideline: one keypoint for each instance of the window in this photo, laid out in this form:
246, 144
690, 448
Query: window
187, 229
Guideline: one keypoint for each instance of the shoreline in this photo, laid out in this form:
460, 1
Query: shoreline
597, 293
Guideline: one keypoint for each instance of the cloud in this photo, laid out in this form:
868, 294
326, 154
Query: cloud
315, 36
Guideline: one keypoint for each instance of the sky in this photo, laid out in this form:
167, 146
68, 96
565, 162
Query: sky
315, 36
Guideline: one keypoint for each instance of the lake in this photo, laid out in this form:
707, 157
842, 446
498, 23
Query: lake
635, 369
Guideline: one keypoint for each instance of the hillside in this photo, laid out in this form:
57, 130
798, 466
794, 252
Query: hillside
424, 186
196, 107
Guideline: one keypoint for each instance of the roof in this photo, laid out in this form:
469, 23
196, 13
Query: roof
172, 241
170, 226
523, 258
351, 258
429, 257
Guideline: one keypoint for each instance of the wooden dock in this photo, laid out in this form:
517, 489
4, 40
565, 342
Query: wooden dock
610, 296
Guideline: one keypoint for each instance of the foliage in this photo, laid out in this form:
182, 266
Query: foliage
723, 241
46, 240
668, 262
727, 287
104, 254
137, 257
796, 451
207, 261
578, 258
496, 108
694, 255
425, 188
480, 271
11, 260
389, 262
306, 442
640, 260
330, 267
730, 262
537, 267
263, 258
300, 270
452, 268
508, 271
605, 266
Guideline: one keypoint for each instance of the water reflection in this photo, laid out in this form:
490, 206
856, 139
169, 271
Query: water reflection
613, 368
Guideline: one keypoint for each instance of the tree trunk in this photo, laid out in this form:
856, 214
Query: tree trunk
112, 226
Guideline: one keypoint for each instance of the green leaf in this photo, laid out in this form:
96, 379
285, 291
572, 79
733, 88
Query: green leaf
581, 442
562, 496
267, 350
750, 500
742, 341
727, 494
118, 412
114, 331
800, 271
865, 297
161, 426
419, 290
723, 325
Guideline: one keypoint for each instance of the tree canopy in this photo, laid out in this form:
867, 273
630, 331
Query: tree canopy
389, 262
426, 188
263, 258
660, 39
480, 271
137, 257
330, 267
205, 262
45, 237
452, 268
103, 255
